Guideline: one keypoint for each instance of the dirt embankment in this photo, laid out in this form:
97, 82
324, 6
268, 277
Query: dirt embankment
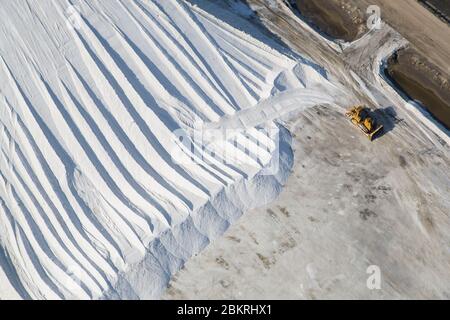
418, 71
420, 81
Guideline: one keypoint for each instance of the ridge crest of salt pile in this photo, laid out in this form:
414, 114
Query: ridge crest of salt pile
91, 99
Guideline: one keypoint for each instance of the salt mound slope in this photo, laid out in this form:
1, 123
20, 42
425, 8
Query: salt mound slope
92, 100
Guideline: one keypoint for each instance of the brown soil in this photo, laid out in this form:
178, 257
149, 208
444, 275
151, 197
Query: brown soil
335, 18
420, 81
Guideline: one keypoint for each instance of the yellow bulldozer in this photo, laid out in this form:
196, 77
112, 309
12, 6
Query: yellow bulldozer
361, 117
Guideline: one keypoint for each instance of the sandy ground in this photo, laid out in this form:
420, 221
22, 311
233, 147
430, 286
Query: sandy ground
348, 204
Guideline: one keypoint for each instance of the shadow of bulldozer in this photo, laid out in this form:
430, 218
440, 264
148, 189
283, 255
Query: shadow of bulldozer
387, 117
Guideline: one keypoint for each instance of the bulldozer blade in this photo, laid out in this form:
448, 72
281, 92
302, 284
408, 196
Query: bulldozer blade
373, 133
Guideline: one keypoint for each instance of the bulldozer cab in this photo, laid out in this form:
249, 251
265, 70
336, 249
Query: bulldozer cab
363, 114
